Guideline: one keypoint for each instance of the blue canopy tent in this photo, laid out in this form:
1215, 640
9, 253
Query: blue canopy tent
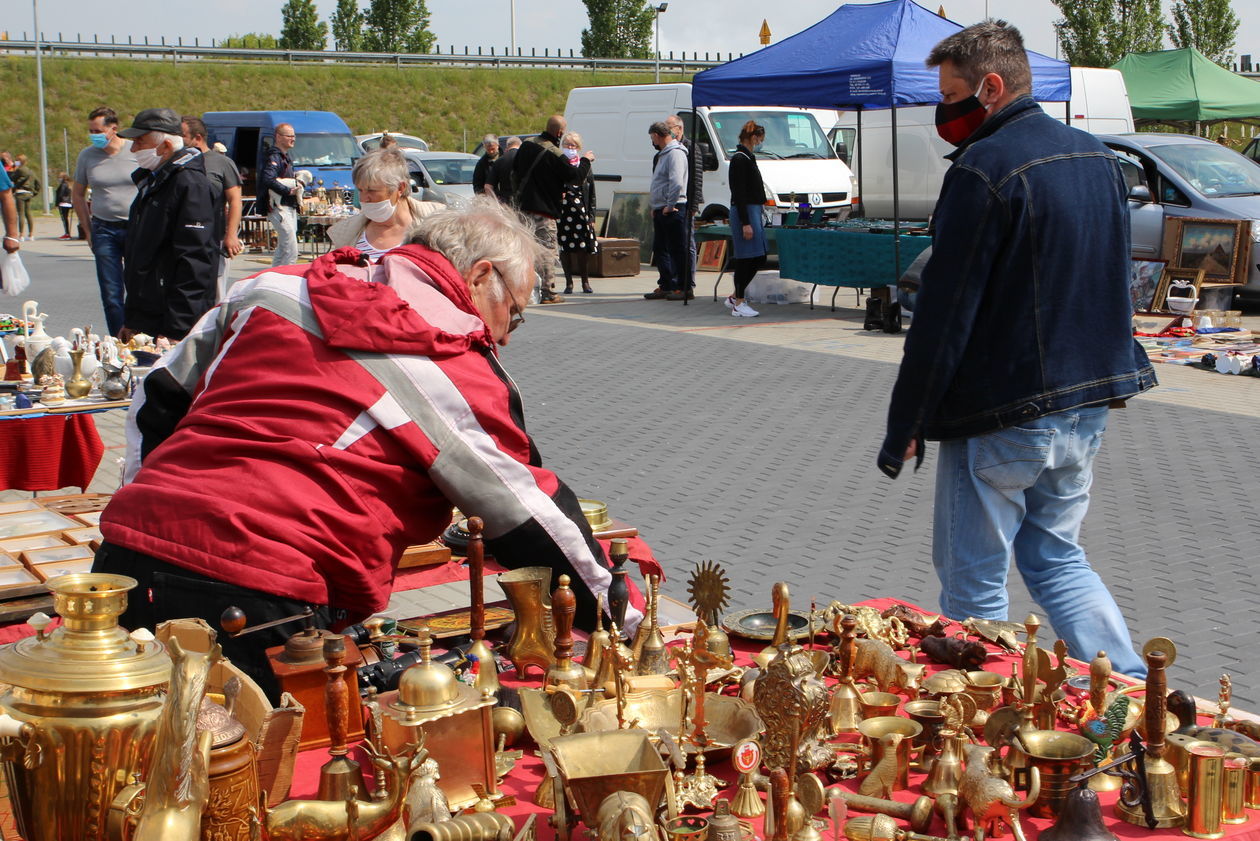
860, 57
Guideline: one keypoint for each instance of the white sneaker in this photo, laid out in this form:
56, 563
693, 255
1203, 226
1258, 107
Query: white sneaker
730, 302
745, 311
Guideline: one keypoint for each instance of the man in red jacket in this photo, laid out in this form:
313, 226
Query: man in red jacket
324, 417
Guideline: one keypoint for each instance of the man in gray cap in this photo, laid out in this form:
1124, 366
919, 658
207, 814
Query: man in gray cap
171, 260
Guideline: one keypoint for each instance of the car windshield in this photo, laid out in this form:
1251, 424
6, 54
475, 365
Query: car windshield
1212, 169
446, 171
789, 134
324, 150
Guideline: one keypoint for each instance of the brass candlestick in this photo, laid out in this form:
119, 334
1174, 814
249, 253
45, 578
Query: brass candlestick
487, 670
565, 672
1161, 777
340, 775
701, 788
845, 712
653, 659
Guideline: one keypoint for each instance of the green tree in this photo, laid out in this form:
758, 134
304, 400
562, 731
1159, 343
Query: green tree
1098, 33
619, 29
1210, 26
398, 26
347, 26
301, 28
250, 41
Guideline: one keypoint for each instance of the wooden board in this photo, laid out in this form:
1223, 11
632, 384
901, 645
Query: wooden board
424, 555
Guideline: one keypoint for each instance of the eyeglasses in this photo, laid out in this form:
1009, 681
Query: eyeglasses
518, 312
286, 135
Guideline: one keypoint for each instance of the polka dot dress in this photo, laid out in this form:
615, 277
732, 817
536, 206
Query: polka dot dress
574, 231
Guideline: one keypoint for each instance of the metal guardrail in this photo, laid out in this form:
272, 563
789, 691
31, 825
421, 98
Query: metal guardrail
178, 53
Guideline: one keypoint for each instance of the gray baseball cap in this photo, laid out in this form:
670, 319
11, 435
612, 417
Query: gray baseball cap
165, 120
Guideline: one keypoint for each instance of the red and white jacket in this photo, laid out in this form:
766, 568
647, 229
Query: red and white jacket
323, 418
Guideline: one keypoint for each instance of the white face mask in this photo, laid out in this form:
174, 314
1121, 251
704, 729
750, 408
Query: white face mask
377, 211
148, 158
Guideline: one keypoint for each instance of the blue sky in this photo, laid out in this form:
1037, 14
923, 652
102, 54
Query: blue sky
690, 25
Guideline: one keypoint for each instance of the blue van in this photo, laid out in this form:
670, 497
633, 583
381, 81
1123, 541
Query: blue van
324, 145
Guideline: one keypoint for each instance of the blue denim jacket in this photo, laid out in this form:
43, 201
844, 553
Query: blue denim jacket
1024, 308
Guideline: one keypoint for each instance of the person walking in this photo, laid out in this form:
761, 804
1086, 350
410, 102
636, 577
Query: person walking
65, 204
1014, 379
576, 229
281, 214
25, 186
748, 238
668, 198
225, 193
695, 189
105, 167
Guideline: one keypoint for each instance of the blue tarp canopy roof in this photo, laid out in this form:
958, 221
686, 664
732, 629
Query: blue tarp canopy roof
861, 56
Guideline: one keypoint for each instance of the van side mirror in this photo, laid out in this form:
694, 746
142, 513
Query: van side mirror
708, 160
1141, 193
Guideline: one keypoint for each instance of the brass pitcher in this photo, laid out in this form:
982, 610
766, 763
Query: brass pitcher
89, 696
534, 640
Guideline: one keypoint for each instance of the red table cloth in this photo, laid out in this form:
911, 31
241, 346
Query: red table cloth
47, 452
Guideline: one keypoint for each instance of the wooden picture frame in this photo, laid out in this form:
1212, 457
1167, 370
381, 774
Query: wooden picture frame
1144, 280
601, 222
1194, 276
630, 217
1221, 247
712, 256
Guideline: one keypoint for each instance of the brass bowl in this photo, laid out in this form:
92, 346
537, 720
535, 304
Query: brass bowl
876, 704
876, 728
596, 513
730, 720
760, 624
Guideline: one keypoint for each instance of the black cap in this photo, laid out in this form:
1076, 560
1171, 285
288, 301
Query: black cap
164, 120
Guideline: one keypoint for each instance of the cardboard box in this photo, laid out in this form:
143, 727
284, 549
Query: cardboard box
616, 258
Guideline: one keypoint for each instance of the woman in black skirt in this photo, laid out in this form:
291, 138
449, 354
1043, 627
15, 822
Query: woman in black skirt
575, 232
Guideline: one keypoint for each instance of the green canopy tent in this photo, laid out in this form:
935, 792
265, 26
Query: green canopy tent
1186, 89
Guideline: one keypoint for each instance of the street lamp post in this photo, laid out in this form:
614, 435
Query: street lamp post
658, 9
39, 84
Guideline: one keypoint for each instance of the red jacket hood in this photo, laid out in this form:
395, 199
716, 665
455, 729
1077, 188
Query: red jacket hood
363, 315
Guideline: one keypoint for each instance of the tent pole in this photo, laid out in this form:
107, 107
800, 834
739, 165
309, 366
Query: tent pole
896, 200
861, 156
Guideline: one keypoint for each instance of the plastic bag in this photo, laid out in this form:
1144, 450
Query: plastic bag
13, 276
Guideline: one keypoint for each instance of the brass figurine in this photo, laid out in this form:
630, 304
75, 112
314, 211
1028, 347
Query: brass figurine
881, 780
989, 797
482, 826
625, 816
873, 624
792, 702
1222, 719
782, 609
425, 802
564, 672
996, 631
918, 814
709, 589
1181, 704
875, 658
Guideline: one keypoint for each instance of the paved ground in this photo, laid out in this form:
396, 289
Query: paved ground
752, 442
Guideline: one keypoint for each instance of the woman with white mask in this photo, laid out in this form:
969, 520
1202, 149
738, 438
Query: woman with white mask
386, 209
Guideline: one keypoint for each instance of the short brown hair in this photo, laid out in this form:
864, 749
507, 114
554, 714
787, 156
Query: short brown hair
660, 129
751, 129
992, 46
111, 118
196, 128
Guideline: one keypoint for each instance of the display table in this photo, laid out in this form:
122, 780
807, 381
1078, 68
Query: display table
845, 257
44, 452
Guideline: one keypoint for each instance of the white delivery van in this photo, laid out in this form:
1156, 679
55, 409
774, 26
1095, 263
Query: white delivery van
1100, 105
796, 159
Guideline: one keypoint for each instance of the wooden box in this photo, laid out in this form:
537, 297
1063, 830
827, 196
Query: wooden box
305, 682
616, 258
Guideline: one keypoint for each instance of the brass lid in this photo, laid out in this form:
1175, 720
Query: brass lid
427, 686
90, 652
596, 513
222, 726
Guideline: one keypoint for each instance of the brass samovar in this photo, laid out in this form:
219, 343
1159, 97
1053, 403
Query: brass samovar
82, 708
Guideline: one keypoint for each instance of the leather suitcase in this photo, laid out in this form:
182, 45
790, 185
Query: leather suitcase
616, 258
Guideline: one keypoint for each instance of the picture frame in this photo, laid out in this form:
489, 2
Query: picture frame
1195, 276
1144, 280
712, 256
1220, 247
600, 222
630, 217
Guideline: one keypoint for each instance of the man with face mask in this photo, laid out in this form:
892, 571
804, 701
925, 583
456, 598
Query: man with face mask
105, 168
171, 260
1021, 342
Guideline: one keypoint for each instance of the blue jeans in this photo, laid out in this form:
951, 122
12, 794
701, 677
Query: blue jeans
1022, 492
673, 254
109, 241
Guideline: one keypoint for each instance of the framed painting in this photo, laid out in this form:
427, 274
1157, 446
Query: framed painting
630, 217
712, 256
1219, 247
601, 222
1144, 277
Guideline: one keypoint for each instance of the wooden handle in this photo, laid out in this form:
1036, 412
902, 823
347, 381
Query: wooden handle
563, 609
336, 695
848, 644
619, 589
476, 580
780, 791
1156, 702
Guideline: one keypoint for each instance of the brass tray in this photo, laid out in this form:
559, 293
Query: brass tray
760, 624
730, 720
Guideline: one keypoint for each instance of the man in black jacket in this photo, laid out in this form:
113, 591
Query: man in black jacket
277, 198
539, 175
171, 258
501, 172
481, 172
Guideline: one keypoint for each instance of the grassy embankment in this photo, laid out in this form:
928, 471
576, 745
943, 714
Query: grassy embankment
438, 104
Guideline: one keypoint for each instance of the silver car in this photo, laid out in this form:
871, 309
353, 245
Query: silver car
1188, 176
449, 173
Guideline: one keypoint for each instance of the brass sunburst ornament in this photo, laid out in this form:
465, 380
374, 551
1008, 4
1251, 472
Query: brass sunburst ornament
710, 589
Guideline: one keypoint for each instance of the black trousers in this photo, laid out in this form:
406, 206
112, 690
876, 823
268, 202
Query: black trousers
167, 591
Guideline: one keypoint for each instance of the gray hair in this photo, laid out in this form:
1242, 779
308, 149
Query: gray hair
160, 137
991, 46
512, 142
381, 168
490, 139
572, 137
484, 229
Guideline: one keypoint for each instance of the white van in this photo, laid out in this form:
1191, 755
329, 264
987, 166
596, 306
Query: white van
1100, 105
797, 161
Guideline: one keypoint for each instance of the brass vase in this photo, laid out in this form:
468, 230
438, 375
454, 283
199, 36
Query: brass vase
78, 385
533, 642
89, 696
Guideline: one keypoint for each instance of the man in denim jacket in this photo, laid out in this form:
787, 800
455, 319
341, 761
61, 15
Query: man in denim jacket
1021, 342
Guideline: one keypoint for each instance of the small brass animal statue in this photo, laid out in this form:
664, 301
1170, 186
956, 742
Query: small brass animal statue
625, 816
874, 658
1181, 704
882, 780
334, 820
990, 798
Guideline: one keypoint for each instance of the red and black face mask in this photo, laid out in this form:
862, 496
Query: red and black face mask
956, 121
